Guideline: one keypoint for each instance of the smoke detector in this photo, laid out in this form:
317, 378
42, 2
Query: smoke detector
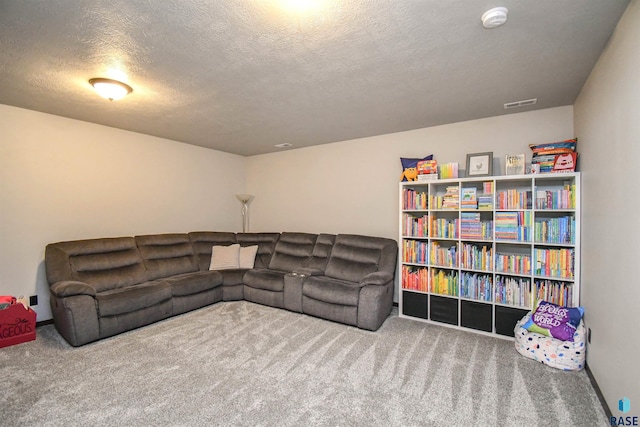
495, 17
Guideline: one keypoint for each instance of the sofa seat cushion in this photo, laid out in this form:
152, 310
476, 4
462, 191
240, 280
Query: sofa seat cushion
268, 280
132, 298
331, 290
233, 277
193, 283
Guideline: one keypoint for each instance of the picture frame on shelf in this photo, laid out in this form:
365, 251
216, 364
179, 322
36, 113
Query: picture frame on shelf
480, 164
515, 164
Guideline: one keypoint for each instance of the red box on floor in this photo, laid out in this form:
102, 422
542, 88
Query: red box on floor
17, 325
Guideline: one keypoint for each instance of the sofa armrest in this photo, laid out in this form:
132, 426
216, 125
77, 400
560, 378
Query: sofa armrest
307, 272
379, 278
68, 288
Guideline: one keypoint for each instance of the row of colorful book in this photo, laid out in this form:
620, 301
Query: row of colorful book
476, 286
444, 282
514, 291
513, 226
414, 251
507, 199
415, 226
514, 199
553, 262
472, 226
511, 291
476, 257
513, 263
560, 293
550, 262
414, 200
415, 278
546, 230
443, 256
444, 228
557, 199
561, 230
485, 201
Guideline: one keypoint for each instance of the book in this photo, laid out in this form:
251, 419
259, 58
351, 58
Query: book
468, 198
515, 164
469, 194
427, 167
448, 170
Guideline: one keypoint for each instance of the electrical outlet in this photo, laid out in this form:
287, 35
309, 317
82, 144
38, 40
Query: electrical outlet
33, 300
589, 335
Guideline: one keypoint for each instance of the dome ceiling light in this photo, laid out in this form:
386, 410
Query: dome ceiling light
113, 90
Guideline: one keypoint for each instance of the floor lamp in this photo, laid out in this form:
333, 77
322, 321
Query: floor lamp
245, 199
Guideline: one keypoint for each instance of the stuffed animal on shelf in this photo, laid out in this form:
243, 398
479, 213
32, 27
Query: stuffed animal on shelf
409, 174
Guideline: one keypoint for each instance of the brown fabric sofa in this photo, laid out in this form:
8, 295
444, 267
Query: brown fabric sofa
102, 287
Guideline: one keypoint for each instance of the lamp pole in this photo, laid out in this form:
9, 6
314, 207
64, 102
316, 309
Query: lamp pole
245, 199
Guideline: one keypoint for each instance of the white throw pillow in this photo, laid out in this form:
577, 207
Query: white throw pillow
225, 257
248, 256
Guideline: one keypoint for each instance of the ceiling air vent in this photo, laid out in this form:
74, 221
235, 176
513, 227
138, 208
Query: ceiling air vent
283, 145
522, 103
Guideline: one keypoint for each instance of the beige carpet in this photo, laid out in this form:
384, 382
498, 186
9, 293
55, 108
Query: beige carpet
240, 363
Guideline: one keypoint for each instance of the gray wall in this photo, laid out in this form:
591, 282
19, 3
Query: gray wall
607, 123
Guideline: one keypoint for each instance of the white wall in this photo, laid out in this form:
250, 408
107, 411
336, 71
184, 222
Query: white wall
607, 122
352, 186
63, 179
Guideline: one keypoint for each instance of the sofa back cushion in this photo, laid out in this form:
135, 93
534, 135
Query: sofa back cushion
166, 255
266, 244
321, 252
353, 257
105, 264
292, 251
203, 241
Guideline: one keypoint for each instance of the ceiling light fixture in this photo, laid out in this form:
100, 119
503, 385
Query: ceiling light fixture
113, 90
495, 17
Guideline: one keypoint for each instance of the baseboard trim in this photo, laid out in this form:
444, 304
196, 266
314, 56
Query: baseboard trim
603, 402
44, 322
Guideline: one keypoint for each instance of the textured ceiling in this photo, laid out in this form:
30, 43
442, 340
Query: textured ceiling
243, 75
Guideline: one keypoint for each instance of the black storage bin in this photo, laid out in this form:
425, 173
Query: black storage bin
476, 315
506, 319
415, 304
444, 309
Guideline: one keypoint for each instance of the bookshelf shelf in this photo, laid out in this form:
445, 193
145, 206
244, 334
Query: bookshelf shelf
478, 253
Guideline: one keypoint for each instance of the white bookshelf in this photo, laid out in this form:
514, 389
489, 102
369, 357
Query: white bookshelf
483, 269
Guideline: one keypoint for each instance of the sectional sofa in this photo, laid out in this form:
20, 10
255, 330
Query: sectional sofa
102, 287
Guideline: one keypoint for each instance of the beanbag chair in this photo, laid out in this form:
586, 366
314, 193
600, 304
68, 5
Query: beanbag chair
559, 354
